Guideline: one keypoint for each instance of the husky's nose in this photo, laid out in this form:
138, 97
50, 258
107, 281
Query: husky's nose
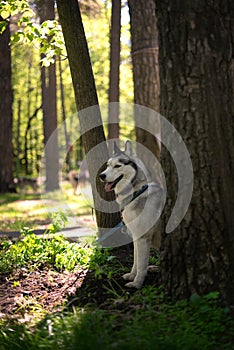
102, 176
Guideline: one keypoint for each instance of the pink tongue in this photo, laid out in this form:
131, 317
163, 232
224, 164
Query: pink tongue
108, 186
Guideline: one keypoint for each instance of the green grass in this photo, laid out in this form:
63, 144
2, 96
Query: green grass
184, 326
34, 210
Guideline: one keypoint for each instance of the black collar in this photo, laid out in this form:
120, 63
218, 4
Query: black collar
133, 196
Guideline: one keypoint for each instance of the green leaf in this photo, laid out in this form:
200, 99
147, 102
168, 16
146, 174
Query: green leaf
3, 26
28, 13
195, 298
16, 37
30, 36
212, 296
5, 13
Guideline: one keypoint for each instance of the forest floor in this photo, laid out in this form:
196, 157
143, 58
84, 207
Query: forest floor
51, 304
47, 290
26, 294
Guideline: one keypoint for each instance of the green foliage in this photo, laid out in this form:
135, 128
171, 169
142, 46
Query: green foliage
3, 26
158, 326
59, 221
13, 7
47, 36
100, 263
32, 251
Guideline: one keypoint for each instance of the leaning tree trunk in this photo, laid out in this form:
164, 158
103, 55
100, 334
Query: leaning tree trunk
86, 96
145, 67
196, 79
6, 100
113, 117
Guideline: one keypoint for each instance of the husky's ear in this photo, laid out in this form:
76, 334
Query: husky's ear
129, 150
117, 150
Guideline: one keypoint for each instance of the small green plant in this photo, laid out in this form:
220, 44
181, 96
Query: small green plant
32, 251
59, 221
99, 263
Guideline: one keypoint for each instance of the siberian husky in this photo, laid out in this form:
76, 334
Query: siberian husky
140, 202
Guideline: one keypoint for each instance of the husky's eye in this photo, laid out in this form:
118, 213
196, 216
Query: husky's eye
117, 166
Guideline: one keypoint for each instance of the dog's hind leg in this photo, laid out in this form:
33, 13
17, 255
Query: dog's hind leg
131, 275
142, 260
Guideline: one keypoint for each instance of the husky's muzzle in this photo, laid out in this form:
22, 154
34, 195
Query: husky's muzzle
109, 186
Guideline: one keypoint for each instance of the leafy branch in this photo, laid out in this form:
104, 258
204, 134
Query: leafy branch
47, 37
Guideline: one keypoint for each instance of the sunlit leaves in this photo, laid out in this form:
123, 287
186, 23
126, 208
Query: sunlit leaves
5, 14
14, 7
3, 25
47, 37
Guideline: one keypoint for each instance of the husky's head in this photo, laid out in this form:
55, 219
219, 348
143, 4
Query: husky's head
121, 168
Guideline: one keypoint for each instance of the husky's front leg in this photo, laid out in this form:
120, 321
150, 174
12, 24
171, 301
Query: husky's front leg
141, 262
131, 275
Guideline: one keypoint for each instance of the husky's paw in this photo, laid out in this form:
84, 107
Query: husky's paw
129, 276
136, 285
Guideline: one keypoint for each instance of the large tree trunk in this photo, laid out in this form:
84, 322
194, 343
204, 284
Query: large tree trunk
85, 93
196, 79
6, 100
113, 125
49, 107
144, 37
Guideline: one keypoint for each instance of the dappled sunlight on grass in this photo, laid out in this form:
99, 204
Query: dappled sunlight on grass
35, 210
17, 213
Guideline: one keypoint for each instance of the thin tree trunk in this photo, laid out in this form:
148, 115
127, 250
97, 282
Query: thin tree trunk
64, 114
196, 72
18, 139
6, 100
113, 125
26, 148
49, 107
86, 96
27, 137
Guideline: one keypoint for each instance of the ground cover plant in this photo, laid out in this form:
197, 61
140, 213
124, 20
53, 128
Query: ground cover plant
55, 294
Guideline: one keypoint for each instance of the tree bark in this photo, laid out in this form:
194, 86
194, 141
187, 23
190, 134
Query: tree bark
113, 125
68, 161
144, 37
196, 79
49, 107
6, 100
86, 96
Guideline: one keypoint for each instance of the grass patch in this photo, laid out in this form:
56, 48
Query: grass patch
184, 326
35, 210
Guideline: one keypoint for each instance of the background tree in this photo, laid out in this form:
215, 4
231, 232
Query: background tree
144, 40
113, 125
6, 100
49, 105
196, 79
86, 96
